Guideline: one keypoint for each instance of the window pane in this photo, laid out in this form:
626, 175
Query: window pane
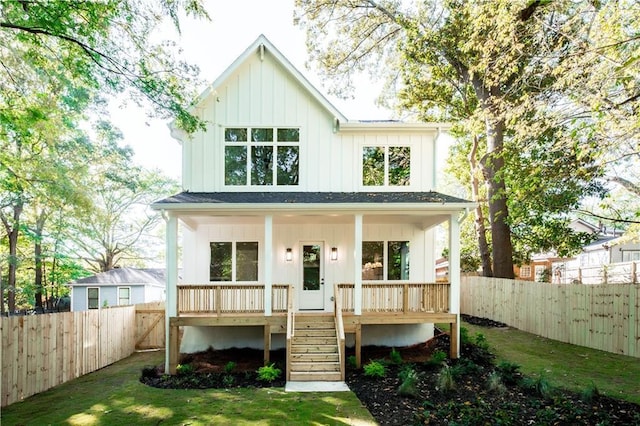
372, 260
220, 268
398, 258
235, 165
235, 135
311, 267
124, 296
262, 135
93, 296
399, 165
288, 165
261, 165
247, 261
373, 166
288, 135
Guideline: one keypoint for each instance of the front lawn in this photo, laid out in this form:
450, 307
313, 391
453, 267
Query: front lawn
115, 396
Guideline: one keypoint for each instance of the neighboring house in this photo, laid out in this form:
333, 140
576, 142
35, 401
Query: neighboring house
293, 217
121, 286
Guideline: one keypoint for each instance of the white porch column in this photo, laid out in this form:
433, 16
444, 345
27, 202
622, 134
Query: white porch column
268, 264
171, 300
357, 290
454, 270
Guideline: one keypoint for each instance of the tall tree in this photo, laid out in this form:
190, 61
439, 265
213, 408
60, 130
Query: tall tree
489, 65
109, 44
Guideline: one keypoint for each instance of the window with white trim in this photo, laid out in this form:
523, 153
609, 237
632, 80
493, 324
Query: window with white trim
124, 295
261, 156
93, 297
386, 166
233, 261
385, 260
525, 271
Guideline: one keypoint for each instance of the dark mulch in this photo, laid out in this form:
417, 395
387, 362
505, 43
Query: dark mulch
514, 400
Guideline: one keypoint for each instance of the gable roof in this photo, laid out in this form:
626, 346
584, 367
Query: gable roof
120, 276
260, 46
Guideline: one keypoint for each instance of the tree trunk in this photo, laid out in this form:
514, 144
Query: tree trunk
13, 230
37, 254
481, 231
497, 194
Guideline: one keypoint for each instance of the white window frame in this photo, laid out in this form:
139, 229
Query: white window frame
129, 299
524, 268
248, 144
90, 288
234, 272
386, 165
385, 260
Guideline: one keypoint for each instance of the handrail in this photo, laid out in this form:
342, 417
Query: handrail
395, 298
290, 328
220, 299
337, 309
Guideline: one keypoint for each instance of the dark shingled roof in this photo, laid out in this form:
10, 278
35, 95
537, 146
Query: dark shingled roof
308, 198
125, 276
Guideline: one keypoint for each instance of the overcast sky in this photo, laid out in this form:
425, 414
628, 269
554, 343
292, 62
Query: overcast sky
213, 46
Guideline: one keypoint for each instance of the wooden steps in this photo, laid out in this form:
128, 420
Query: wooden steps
314, 349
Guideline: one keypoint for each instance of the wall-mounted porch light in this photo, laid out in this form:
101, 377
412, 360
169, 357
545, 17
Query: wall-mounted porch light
334, 253
288, 255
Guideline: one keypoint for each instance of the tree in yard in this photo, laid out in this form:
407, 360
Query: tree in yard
110, 45
118, 227
491, 67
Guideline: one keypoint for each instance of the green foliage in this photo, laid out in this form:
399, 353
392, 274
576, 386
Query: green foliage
437, 357
409, 379
495, 384
228, 380
375, 369
230, 366
464, 336
464, 367
269, 373
509, 372
446, 381
352, 362
590, 393
184, 369
395, 357
481, 341
539, 386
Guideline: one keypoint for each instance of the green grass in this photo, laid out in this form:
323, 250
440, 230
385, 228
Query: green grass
564, 365
114, 396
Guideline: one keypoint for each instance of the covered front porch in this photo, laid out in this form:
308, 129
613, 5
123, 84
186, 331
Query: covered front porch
347, 261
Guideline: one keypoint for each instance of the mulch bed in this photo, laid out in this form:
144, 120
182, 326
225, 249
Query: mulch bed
514, 400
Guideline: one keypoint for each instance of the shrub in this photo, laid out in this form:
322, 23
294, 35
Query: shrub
375, 369
409, 380
538, 386
228, 381
184, 369
481, 341
509, 372
494, 383
465, 367
268, 373
437, 357
464, 336
229, 367
446, 382
395, 357
590, 393
351, 361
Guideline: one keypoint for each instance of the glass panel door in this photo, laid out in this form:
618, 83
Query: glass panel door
312, 295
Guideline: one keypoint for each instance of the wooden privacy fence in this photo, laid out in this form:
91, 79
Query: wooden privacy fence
150, 325
605, 317
39, 352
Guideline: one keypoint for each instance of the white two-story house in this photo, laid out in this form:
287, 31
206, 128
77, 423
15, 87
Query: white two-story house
297, 227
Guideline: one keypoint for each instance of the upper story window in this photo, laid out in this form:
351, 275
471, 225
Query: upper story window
261, 156
386, 165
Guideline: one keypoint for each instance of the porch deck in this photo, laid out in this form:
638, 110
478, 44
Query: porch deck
245, 305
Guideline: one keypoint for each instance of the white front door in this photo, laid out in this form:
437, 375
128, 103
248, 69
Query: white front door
312, 294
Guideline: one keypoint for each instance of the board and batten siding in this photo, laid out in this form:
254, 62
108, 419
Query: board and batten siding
262, 93
334, 234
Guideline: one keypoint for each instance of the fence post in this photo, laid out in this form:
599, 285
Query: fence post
633, 272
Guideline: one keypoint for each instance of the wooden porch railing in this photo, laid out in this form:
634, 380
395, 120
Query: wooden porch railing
290, 329
337, 309
395, 298
220, 299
